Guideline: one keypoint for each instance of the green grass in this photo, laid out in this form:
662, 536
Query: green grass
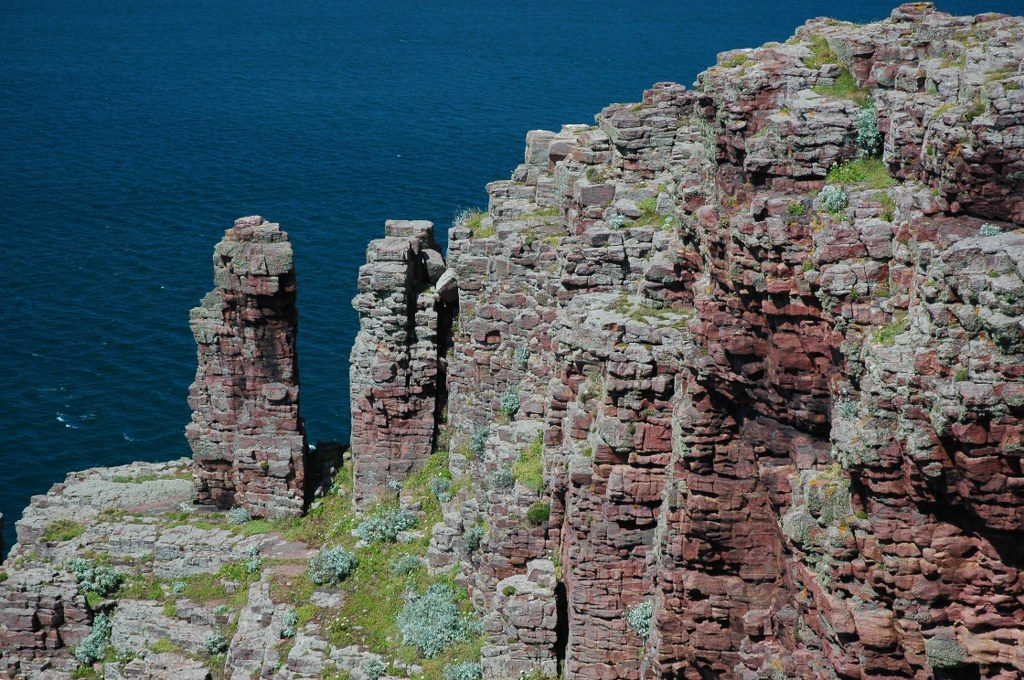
736, 60
63, 530
796, 208
870, 172
473, 218
888, 207
140, 587
529, 469
551, 211
845, 87
86, 673
163, 646
821, 53
887, 336
139, 479
539, 513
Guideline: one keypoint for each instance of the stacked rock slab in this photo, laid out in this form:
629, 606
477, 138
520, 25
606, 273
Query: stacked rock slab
246, 434
395, 365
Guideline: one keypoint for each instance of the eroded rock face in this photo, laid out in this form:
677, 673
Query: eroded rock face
396, 362
246, 434
786, 425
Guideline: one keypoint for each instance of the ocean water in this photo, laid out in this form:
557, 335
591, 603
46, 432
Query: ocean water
133, 132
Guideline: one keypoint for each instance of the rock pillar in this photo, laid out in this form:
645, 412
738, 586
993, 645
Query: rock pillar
395, 365
246, 435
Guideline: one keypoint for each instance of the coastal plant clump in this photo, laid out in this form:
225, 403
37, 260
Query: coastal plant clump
93, 647
215, 644
943, 651
833, 199
989, 230
238, 516
869, 139
441, 487
332, 565
639, 618
432, 621
385, 524
472, 537
467, 670
510, 401
102, 580
503, 479
374, 668
478, 440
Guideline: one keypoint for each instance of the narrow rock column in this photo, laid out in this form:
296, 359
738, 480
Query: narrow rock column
246, 435
395, 364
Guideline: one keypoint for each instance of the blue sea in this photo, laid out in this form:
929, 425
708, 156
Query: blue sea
133, 132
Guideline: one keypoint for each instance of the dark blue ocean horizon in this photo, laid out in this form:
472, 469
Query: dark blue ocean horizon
134, 132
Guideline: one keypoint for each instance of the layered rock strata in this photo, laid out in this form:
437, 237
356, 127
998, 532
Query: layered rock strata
764, 339
396, 369
246, 434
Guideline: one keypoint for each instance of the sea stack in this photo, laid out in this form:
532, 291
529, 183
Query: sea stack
246, 434
395, 360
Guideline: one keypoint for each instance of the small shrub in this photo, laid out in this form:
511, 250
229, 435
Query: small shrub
374, 668
102, 580
617, 221
796, 209
478, 440
178, 587
539, 513
385, 524
639, 618
253, 566
529, 469
63, 530
503, 479
869, 139
943, 651
430, 622
508, 591
521, 356
331, 565
989, 230
405, 565
833, 199
93, 647
441, 487
647, 206
215, 644
291, 621
472, 537
238, 516
467, 670
510, 401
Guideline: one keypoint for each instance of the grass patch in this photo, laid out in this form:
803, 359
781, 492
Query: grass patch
139, 587
473, 219
63, 530
887, 336
736, 60
164, 646
863, 171
888, 207
845, 87
551, 211
529, 469
649, 215
821, 53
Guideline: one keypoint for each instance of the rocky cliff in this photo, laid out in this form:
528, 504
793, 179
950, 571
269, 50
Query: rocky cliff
727, 384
